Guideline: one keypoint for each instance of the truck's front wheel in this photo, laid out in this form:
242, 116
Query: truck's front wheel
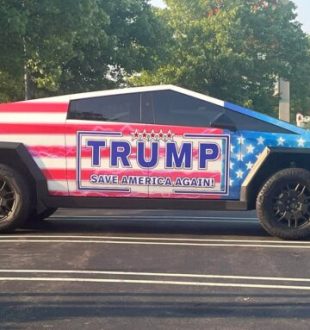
14, 199
283, 204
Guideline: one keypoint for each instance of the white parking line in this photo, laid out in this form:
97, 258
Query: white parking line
147, 274
155, 243
146, 238
156, 282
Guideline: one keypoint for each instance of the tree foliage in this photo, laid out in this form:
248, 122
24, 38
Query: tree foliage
73, 45
230, 49
234, 50
129, 43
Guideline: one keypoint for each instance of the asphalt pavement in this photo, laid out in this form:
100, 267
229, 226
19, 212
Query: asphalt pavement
105, 269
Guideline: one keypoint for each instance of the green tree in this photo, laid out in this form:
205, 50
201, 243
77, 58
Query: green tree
38, 39
59, 46
234, 50
132, 37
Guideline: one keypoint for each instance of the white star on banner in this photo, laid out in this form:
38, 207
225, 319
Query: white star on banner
232, 165
232, 149
249, 165
250, 149
240, 157
260, 140
281, 141
301, 142
241, 139
231, 182
239, 174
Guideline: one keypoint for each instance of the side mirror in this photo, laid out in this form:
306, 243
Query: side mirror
223, 121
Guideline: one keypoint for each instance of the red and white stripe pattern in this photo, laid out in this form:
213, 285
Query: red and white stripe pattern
52, 141
41, 128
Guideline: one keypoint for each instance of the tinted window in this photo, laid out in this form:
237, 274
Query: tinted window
116, 108
248, 123
172, 108
147, 104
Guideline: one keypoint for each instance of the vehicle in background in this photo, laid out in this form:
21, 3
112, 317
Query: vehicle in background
303, 121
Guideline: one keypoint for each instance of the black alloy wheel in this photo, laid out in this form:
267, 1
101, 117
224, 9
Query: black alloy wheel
14, 199
292, 205
283, 204
7, 198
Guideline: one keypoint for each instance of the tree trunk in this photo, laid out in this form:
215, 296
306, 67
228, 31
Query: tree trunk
27, 83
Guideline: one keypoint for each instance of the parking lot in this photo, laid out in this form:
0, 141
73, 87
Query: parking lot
90, 269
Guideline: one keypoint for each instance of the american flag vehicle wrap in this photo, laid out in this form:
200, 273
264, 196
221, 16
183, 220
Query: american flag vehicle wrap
161, 147
106, 159
61, 151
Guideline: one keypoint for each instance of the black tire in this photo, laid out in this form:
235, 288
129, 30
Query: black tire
283, 204
14, 199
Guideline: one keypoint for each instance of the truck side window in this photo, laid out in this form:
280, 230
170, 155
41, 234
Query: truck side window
118, 108
248, 123
173, 108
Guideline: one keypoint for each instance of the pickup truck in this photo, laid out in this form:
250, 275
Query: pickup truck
157, 147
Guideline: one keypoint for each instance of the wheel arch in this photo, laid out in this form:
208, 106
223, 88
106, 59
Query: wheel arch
269, 162
16, 156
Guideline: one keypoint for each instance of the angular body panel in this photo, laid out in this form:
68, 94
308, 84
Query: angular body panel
158, 142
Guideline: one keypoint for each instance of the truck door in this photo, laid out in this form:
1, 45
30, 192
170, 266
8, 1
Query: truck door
194, 158
101, 148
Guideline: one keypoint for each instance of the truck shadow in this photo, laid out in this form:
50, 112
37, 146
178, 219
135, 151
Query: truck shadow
151, 222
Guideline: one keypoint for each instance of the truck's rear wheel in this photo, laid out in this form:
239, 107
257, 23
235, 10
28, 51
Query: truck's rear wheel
14, 199
283, 204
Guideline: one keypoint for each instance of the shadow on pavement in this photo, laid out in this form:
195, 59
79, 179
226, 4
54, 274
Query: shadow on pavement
41, 307
147, 226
